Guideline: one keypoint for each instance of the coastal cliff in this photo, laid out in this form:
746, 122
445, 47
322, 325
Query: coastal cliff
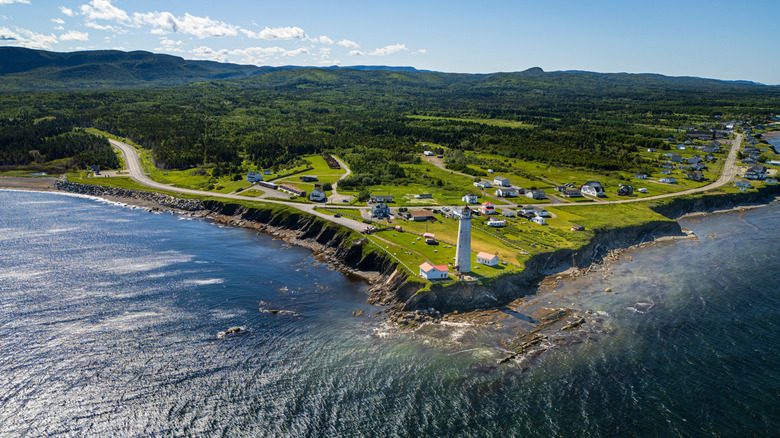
351, 253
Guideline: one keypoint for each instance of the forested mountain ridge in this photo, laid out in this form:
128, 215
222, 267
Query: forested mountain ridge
377, 118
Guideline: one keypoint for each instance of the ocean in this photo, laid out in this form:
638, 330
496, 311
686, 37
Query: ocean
109, 323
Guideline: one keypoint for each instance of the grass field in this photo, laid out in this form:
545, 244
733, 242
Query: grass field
490, 122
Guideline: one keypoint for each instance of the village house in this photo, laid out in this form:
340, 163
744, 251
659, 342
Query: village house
501, 181
493, 222
666, 172
292, 190
593, 188
382, 198
424, 196
571, 193
694, 159
539, 220
507, 213
642, 190
267, 172
471, 199
487, 259
380, 210
428, 153
577, 228
422, 215
696, 175
755, 172
308, 178
318, 195
540, 212
625, 191
253, 177
651, 150
640, 176
536, 194
668, 180
487, 208
675, 158
506, 192
434, 272
743, 184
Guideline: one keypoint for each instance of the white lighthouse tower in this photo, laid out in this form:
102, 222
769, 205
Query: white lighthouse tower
463, 250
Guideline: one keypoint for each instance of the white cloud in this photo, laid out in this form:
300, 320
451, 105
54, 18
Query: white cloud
75, 36
422, 51
277, 33
170, 46
201, 27
67, 11
103, 10
252, 55
356, 53
106, 27
58, 20
348, 44
26, 38
322, 39
60, 27
8, 2
387, 50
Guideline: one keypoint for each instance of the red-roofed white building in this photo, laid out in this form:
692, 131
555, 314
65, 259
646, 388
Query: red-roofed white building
487, 208
487, 259
434, 272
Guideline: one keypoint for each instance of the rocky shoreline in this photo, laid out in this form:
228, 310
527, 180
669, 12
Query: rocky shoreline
488, 305
391, 287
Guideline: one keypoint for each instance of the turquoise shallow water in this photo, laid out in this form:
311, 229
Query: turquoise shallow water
109, 317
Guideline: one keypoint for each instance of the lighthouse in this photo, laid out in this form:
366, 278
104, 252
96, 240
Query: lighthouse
463, 251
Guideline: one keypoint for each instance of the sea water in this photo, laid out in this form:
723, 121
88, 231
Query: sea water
109, 319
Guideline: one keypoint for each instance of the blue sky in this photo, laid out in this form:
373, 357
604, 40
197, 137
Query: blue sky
715, 39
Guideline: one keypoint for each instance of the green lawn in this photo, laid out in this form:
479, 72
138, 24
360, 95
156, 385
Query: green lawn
490, 122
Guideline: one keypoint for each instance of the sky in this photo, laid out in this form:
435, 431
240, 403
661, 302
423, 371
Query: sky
714, 39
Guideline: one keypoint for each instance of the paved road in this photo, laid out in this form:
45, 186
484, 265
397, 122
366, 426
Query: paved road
137, 174
728, 173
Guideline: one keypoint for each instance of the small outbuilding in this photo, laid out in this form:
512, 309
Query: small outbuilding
434, 272
487, 259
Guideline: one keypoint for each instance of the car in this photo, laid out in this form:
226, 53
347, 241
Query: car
336, 215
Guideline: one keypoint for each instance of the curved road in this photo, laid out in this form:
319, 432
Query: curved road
137, 174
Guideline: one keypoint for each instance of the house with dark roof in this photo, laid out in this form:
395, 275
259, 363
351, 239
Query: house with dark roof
593, 188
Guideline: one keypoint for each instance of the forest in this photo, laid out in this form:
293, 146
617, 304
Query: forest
377, 119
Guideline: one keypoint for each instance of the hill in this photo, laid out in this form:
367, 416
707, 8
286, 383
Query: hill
27, 70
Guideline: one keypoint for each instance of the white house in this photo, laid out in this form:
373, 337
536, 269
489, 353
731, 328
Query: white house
593, 188
471, 199
487, 259
539, 220
317, 195
496, 222
668, 180
254, 177
487, 208
642, 190
506, 192
428, 153
541, 212
434, 272
508, 213
536, 194
501, 181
